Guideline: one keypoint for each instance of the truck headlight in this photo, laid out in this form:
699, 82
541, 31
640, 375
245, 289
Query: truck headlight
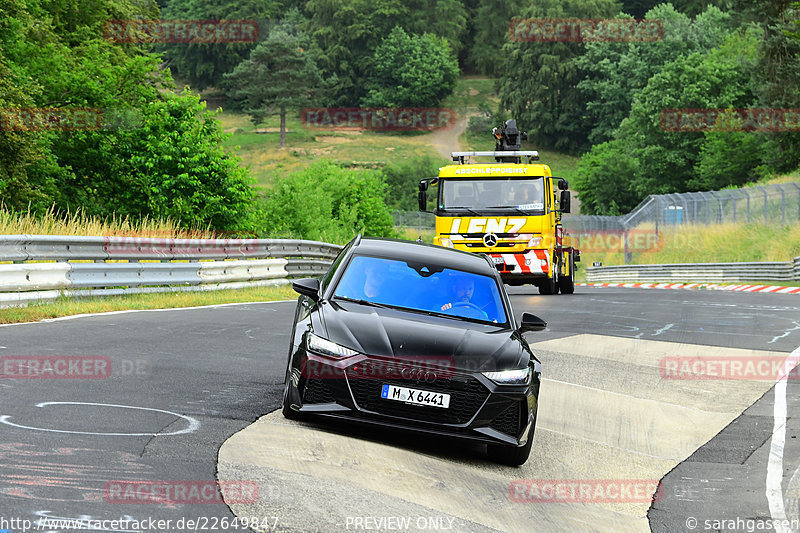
510, 377
317, 344
447, 243
535, 241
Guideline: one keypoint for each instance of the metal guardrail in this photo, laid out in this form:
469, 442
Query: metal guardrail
117, 265
697, 272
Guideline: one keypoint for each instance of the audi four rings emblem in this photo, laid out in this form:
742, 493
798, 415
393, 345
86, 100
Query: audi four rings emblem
490, 240
418, 374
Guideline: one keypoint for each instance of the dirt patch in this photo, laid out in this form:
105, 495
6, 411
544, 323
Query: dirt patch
474, 92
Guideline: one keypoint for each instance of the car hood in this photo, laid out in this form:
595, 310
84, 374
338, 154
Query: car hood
410, 336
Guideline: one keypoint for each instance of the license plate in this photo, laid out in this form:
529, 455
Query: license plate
415, 396
498, 260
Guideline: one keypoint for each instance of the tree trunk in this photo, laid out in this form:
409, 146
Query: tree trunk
283, 127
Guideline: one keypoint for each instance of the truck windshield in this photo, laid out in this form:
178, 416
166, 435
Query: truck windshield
523, 194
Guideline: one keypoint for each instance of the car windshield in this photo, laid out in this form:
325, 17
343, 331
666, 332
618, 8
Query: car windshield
524, 194
425, 287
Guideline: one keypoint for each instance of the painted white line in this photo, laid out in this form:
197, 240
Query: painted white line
774, 489
662, 330
194, 424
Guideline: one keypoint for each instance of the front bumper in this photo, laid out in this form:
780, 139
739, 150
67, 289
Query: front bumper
480, 410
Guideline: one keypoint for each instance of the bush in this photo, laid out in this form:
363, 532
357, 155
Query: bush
402, 180
326, 202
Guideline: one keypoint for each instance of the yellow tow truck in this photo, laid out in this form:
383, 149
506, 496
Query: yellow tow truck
509, 210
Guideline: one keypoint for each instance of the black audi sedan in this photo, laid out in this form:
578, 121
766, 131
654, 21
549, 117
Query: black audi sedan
419, 337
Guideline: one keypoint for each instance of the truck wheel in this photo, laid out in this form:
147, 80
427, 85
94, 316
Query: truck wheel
567, 283
548, 286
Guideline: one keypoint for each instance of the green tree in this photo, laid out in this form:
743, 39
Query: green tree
615, 72
538, 79
280, 74
326, 202
347, 33
604, 180
660, 160
490, 28
410, 70
402, 179
203, 65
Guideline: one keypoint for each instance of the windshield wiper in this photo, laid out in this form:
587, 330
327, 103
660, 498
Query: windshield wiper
462, 208
364, 302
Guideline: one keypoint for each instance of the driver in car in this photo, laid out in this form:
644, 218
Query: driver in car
462, 289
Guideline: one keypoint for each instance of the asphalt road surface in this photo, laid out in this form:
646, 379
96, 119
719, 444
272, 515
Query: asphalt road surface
182, 382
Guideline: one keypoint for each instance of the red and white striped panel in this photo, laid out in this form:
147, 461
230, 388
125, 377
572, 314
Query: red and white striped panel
535, 258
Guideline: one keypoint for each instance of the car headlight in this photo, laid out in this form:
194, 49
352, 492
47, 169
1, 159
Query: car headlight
317, 344
535, 241
447, 243
510, 377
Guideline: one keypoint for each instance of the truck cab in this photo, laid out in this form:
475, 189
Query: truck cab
510, 210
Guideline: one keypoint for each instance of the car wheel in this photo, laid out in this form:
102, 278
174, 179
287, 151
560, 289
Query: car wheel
510, 455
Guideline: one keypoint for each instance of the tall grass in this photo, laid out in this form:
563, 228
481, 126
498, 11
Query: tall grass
720, 243
78, 223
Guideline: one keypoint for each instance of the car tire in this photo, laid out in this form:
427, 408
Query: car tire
567, 283
510, 455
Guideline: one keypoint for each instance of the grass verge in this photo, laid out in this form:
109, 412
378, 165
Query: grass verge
76, 306
722, 243
78, 223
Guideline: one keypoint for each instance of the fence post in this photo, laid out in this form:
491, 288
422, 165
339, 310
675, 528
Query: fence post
748, 204
730, 193
798, 199
762, 189
783, 204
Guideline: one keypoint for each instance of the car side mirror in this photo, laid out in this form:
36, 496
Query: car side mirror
563, 202
307, 287
531, 322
